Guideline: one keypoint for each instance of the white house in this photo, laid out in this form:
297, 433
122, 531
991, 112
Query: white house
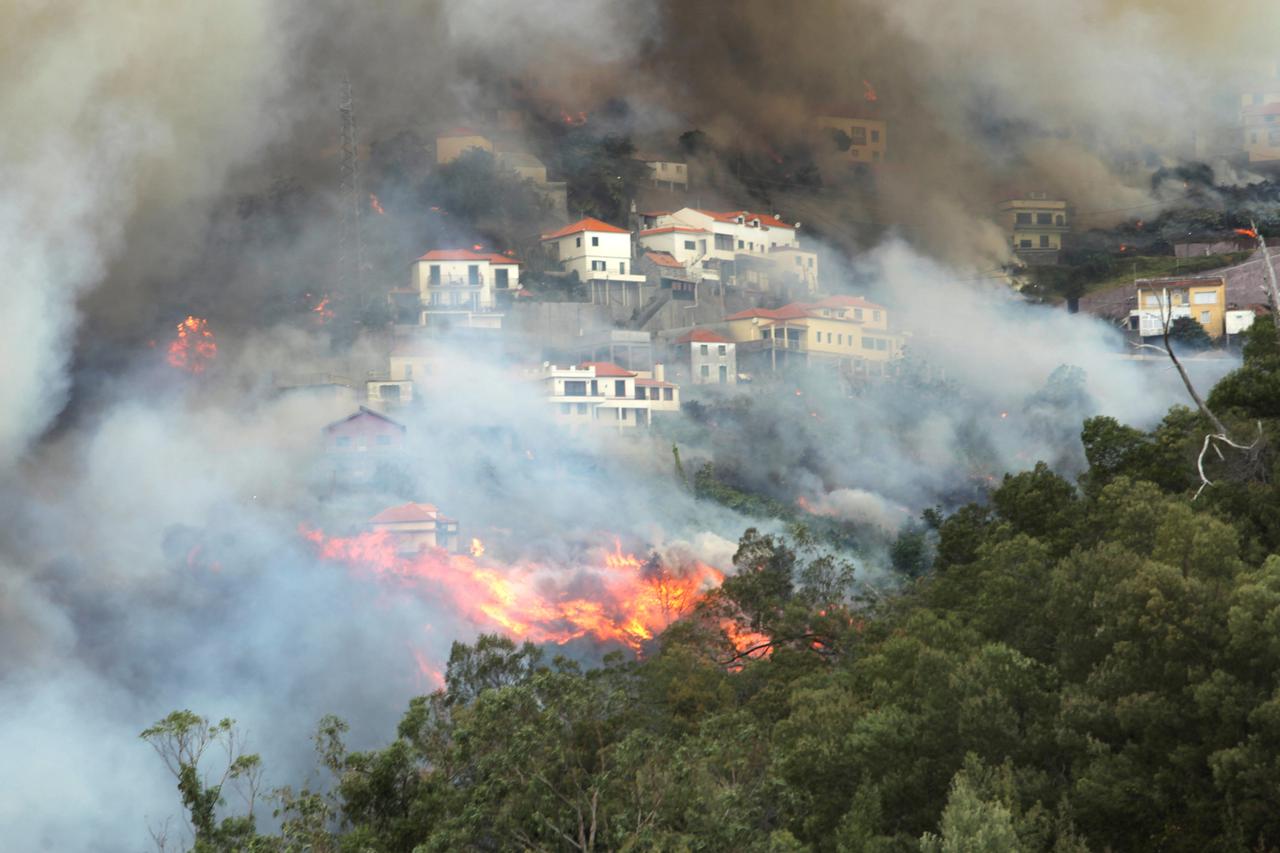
601, 255
733, 232
602, 393
414, 526
713, 358
461, 287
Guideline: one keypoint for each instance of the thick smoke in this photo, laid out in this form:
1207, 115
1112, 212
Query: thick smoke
150, 556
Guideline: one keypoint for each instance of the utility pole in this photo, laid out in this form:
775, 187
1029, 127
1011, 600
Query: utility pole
1271, 275
350, 242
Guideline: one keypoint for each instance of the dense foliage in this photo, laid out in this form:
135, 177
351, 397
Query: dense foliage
1077, 666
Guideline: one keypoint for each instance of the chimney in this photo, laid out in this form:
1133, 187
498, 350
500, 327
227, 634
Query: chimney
660, 373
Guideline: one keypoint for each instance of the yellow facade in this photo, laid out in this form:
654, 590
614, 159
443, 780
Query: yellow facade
837, 328
1034, 224
869, 137
450, 146
1202, 299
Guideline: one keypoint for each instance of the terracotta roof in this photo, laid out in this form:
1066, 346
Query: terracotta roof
361, 412
846, 302
747, 216
606, 368
794, 311
467, 255
702, 336
588, 224
408, 513
664, 259
666, 229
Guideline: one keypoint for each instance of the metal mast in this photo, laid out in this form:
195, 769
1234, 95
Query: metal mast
350, 243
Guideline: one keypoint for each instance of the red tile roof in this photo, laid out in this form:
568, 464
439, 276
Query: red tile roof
664, 259
408, 513
747, 216
702, 336
606, 368
666, 229
467, 255
588, 224
794, 311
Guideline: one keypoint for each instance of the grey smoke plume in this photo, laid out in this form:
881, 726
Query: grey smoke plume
149, 555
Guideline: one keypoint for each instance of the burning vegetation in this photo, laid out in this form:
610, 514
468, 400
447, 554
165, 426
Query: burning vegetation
193, 347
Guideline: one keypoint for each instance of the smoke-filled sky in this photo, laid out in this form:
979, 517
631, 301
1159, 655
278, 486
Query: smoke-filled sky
129, 127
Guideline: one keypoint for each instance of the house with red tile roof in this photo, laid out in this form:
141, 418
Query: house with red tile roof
601, 255
600, 393
723, 245
849, 331
470, 288
413, 527
712, 358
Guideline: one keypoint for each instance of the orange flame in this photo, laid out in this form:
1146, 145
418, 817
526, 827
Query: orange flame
631, 601
869, 91
573, 120
376, 205
1247, 232
477, 547
322, 310
193, 348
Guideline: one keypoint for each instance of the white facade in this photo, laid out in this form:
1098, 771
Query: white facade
1239, 321
464, 287
594, 250
712, 362
733, 232
689, 246
602, 394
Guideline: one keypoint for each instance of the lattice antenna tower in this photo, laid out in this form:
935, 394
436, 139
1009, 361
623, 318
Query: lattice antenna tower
350, 241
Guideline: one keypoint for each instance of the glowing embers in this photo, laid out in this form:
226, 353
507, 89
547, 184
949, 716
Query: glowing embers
611, 597
193, 348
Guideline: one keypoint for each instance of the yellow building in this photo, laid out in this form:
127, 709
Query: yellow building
1262, 132
868, 134
1035, 224
451, 144
1202, 298
847, 330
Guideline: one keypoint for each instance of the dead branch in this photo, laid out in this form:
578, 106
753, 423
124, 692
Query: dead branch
1271, 275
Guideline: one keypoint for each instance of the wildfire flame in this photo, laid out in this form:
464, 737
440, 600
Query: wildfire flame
1247, 232
573, 119
869, 91
477, 547
632, 600
193, 348
322, 310
375, 205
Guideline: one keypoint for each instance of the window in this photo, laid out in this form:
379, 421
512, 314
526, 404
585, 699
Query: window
1205, 297
840, 340
857, 313
500, 279
595, 241
724, 348
575, 388
1204, 318
434, 273
1023, 218
1044, 241
680, 168
384, 441
622, 414
690, 245
597, 266
343, 441
473, 274
705, 371
1151, 300
723, 243
859, 136
582, 408
724, 374
1024, 244
669, 393
875, 136
868, 343
620, 388
702, 246
622, 267
1044, 218
703, 348
739, 244
1059, 220
875, 315
577, 241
